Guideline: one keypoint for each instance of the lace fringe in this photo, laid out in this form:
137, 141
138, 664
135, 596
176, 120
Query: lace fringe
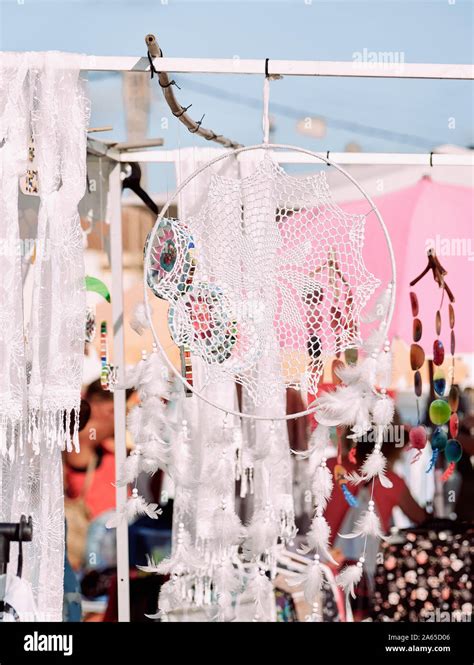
43, 430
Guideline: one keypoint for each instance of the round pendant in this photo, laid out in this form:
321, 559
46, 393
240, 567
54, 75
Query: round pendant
452, 318
417, 437
439, 439
453, 451
453, 398
417, 330
418, 384
439, 412
417, 356
439, 382
454, 425
438, 352
414, 303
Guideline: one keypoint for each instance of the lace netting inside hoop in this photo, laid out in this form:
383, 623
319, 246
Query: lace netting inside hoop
277, 285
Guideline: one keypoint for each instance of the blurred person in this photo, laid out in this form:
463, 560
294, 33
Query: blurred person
385, 499
96, 458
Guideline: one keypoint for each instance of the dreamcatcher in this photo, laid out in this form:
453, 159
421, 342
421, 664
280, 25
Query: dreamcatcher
265, 282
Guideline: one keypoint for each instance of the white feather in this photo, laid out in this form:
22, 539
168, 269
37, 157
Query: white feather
134, 507
137, 375
321, 486
138, 320
349, 578
383, 411
262, 592
384, 369
367, 525
374, 341
311, 580
183, 560
339, 407
380, 308
169, 597
318, 537
262, 534
130, 469
227, 529
219, 472
373, 466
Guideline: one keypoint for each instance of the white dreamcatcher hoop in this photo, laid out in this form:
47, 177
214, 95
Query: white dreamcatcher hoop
188, 266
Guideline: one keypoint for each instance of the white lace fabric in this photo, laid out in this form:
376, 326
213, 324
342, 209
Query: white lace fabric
41, 97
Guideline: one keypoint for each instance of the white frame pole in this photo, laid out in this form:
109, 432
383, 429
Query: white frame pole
116, 258
343, 158
281, 67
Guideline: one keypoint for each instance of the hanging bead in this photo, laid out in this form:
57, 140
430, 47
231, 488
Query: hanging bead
414, 303
453, 451
438, 352
453, 399
417, 437
438, 322
449, 472
439, 439
417, 330
418, 384
451, 316
439, 382
439, 412
454, 425
453, 342
417, 356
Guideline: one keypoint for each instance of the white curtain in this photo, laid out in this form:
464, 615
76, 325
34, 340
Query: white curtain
41, 354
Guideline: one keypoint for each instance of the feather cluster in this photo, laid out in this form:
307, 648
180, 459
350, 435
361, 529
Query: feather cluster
136, 506
321, 486
311, 581
227, 529
262, 533
263, 595
367, 525
349, 578
374, 466
318, 537
138, 320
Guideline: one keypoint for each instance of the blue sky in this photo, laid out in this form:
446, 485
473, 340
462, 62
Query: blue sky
423, 31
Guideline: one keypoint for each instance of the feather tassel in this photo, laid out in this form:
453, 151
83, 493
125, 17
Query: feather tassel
318, 538
367, 525
138, 320
322, 485
135, 507
311, 580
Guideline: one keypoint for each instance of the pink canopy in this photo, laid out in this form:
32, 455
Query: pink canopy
428, 214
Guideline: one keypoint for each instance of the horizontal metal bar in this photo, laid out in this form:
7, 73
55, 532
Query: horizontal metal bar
354, 158
283, 67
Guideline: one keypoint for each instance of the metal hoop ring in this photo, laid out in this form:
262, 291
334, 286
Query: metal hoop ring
233, 153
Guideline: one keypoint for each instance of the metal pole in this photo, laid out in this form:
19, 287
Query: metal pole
346, 158
410, 70
115, 218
